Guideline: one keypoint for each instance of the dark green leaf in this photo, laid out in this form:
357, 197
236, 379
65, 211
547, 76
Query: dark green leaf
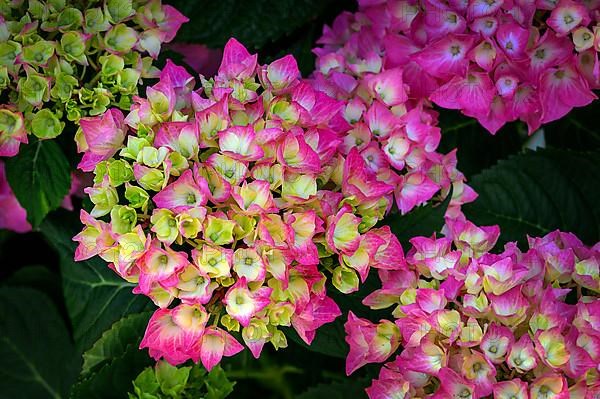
578, 130
348, 388
42, 279
254, 23
329, 339
216, 382
33, 343
113, 380
40, 177
422, 221
95, 296
540, 191
114, 342
476, 148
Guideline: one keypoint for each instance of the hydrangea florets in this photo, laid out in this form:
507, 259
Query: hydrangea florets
495, 60
63, 60
387, 121
228, 206
474, 324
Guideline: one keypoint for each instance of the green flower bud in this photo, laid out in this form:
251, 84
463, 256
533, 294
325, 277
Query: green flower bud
100, 170
127, 81
152, 180
230, 323
123, 219
63, 87
134, 146
72, 47
137, 197
95, 21
178, 163
9, 52
112, 64
118, 10
345, 279
101, 101
104, 197
86, 96
152, 157
46, 125
164, 225
38, 53
73, 111
278, 339
69, 19
119, 172
33, 89
120, 38
148, 70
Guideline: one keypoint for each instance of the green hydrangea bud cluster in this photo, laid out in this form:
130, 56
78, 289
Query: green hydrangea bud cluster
61, 60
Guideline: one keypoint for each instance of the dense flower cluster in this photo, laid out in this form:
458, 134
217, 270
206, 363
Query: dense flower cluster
474, 324
390, 124
229, 205
495, 60
62, 60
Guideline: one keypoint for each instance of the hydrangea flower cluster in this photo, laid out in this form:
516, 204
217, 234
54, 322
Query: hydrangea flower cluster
473, 324
390, 124
495, 60
228, 206
62, 60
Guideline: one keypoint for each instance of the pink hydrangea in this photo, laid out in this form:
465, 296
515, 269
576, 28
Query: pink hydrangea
497, 61
473, 323
233, 201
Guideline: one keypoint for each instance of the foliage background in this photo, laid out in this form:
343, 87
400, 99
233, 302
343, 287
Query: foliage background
56, 339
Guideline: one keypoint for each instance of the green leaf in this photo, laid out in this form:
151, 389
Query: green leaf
40, 278
422, 221
217, 384
172, 379
468, 137
537, 192
578, 130
40, 177
95, 296
348, 388
329, 339
36, 355
114, 342
253, 22
113, 380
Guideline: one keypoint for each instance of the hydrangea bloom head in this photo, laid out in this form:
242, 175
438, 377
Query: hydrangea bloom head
228, 202
496, 61
508, 325
50, 50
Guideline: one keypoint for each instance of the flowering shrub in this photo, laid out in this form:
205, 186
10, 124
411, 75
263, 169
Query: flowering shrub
60, 61
229, 202
474, 324
496, 61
